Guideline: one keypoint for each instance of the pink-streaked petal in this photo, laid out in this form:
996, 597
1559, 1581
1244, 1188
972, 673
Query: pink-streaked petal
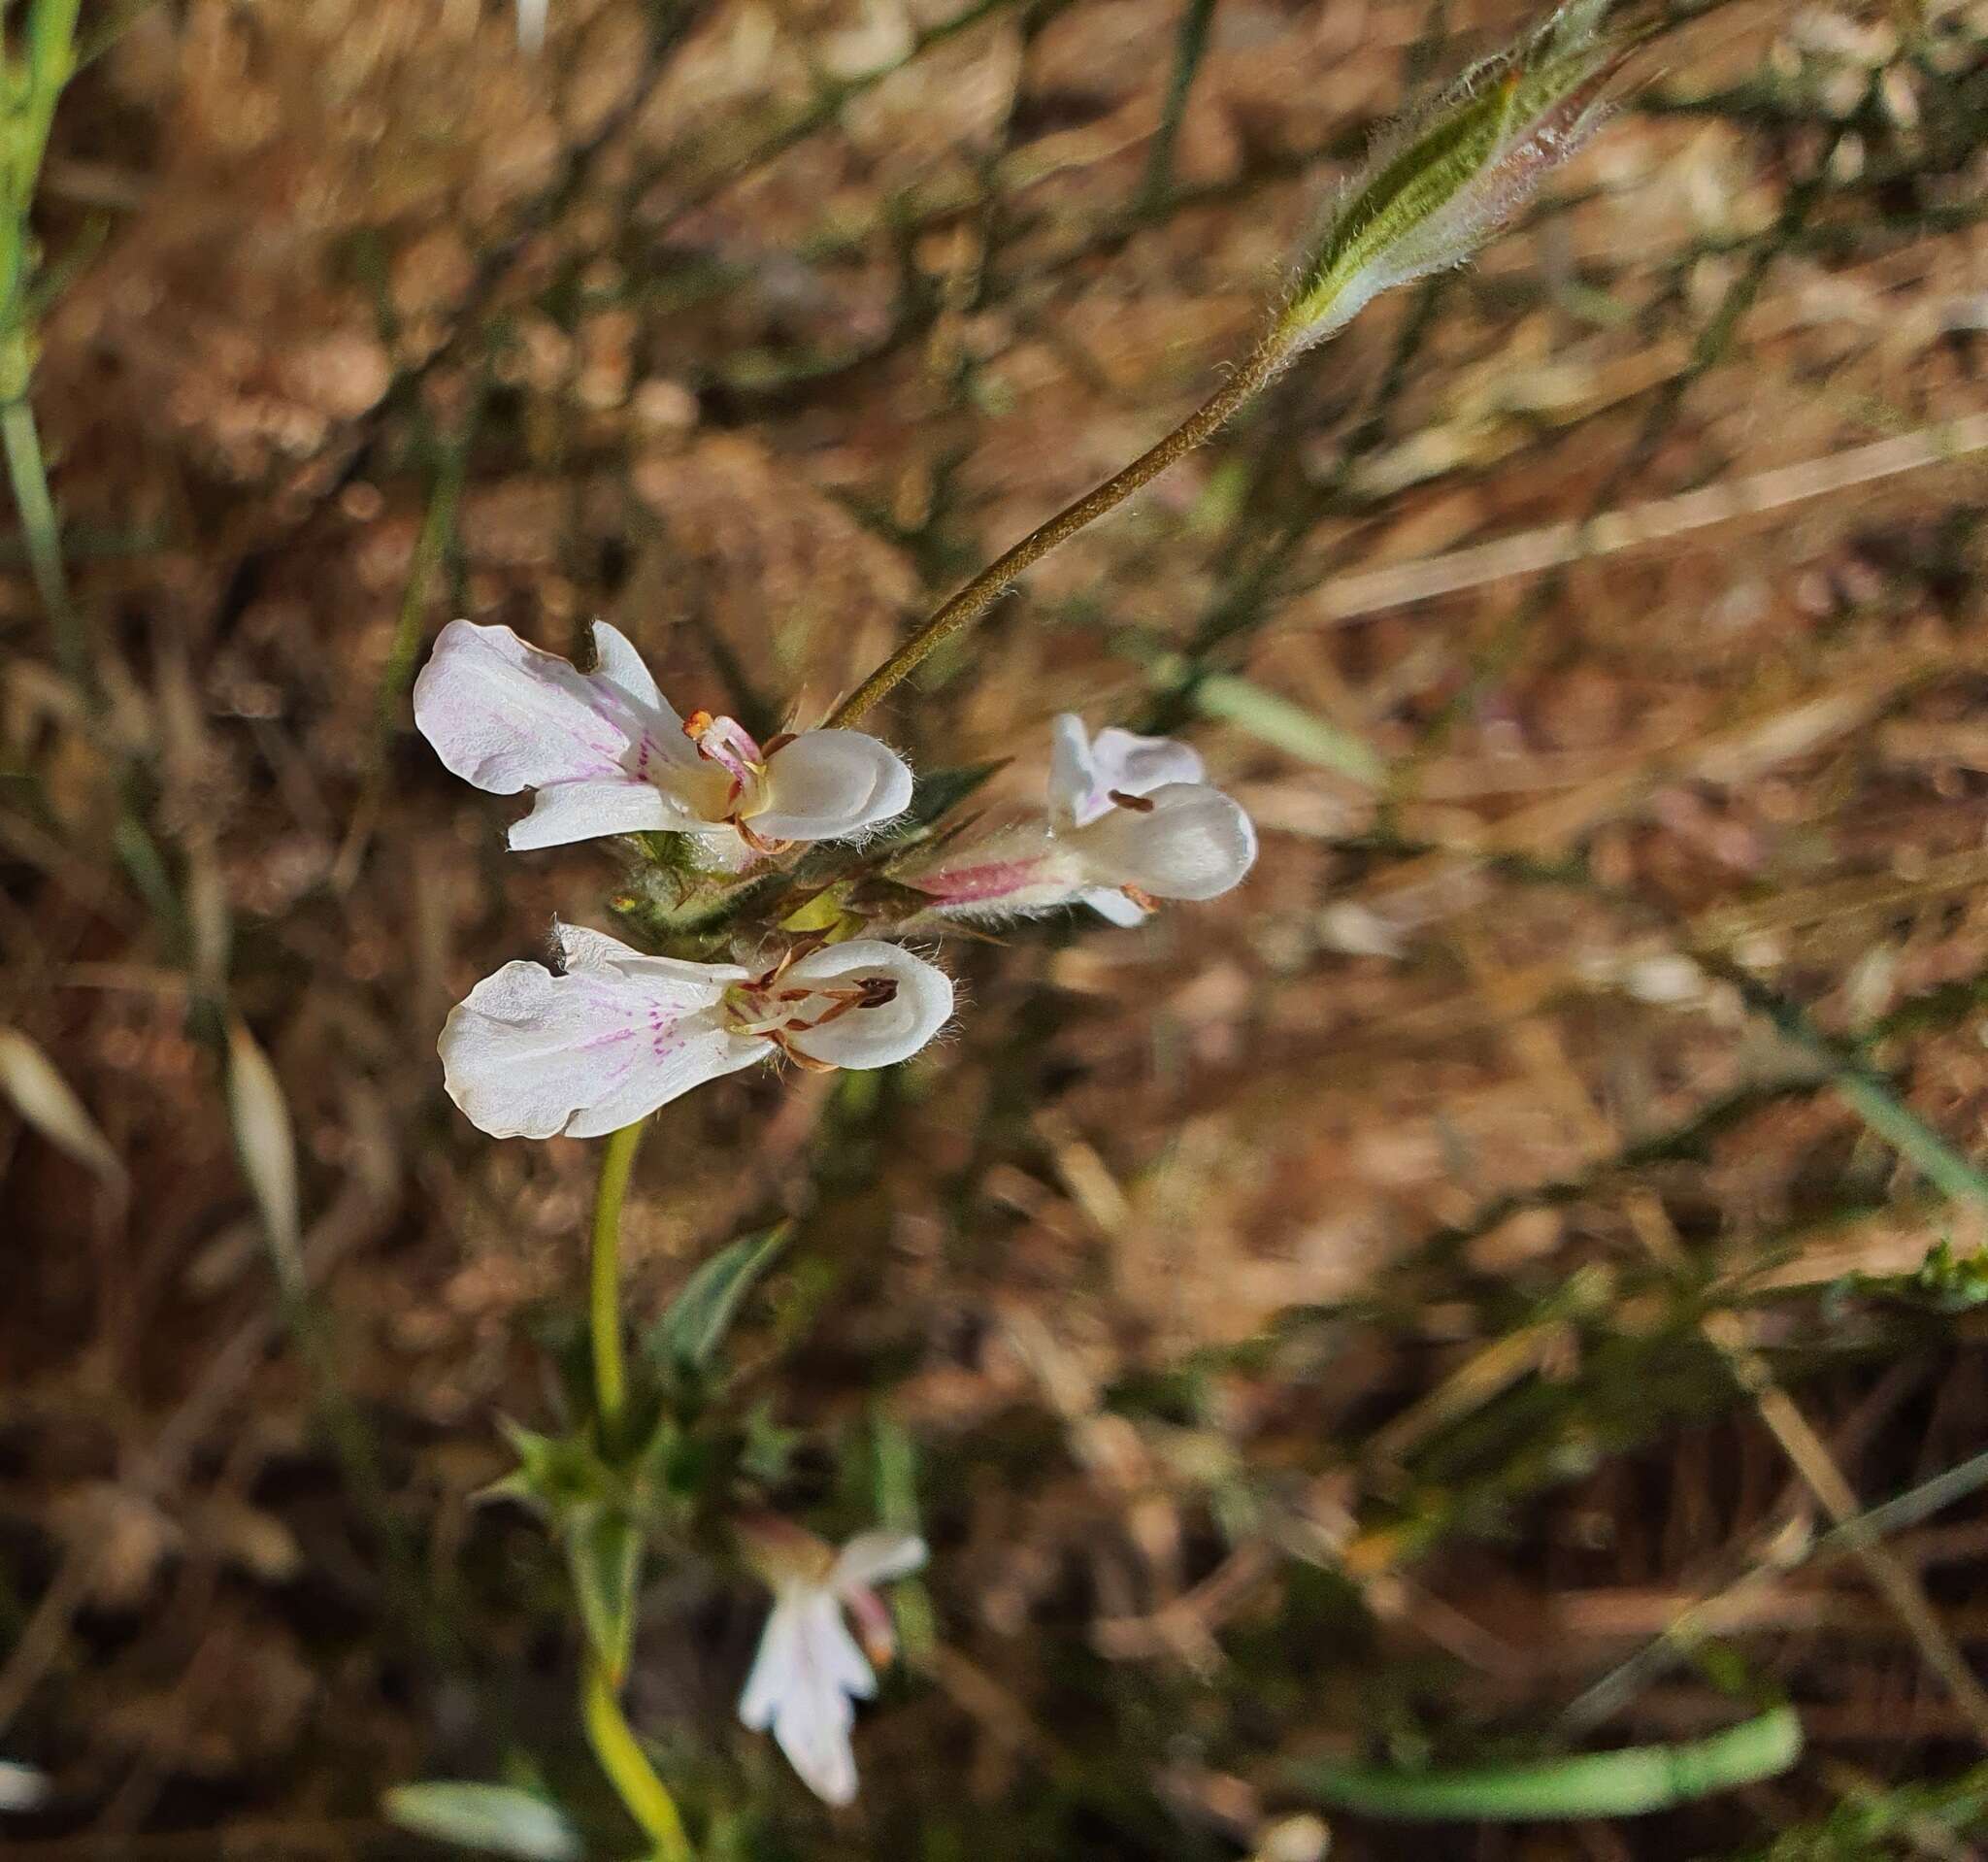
875, 1632
1015, 872
616, 663
875, 1558
1194, 842
505, 716
567, 812
826, 784
1112, 905
880, 1037
530, 1054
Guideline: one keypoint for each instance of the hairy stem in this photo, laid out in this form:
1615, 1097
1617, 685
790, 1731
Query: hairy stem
604, 1303
981, 594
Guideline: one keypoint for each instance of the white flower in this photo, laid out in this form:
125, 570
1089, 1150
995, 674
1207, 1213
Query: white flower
531, 1055
1131, 820
607, 754
809, 1669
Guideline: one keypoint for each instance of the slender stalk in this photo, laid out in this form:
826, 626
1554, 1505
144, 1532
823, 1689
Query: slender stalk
620, 1755
978, 595
603, 1305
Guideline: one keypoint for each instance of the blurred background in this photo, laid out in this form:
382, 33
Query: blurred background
1439, 1300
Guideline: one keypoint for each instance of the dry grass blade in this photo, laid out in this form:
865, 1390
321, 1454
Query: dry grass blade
267, 1143
47, 1102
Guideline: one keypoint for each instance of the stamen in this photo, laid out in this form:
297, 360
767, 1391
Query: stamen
1137, 804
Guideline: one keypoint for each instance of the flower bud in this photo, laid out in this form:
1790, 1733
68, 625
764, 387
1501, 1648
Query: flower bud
1437, 186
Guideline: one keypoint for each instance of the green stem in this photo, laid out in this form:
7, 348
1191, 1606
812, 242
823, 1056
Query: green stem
622, 1759
30, 481
603, 1305
620, 1754
985, 588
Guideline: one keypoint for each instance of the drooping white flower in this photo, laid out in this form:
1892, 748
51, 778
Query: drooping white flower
607, 754
533, 1055
1131, 820
809, 1669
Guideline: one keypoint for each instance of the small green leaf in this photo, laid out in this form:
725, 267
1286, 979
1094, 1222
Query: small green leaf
688, 1334
561, 1475
494, 1818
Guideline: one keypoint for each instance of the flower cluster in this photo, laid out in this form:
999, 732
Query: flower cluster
614, 1032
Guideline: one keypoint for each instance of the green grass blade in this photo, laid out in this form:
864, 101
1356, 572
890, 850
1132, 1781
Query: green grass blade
1630, 1782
